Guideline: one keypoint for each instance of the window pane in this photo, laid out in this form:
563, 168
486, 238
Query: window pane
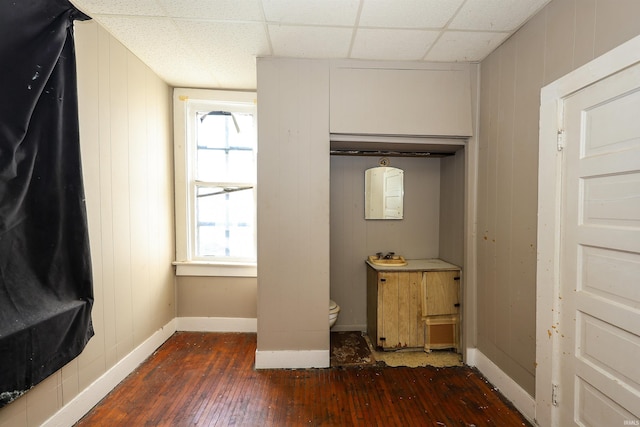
224, 154
225, 223
226, 166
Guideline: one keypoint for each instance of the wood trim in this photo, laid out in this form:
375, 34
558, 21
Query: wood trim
292, 359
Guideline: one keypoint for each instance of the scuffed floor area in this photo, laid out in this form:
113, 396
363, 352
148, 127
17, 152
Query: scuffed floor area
355, 349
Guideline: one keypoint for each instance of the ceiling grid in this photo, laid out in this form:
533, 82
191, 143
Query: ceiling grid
214, 43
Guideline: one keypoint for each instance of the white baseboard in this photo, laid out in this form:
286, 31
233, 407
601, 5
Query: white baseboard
522, 400
292, 359
217, 324
70, 413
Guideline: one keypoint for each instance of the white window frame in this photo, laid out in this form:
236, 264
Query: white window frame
183, 101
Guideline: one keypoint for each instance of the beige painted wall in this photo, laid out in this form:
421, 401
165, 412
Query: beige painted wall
563, 36
294, 272
353, 238
217, 297
293, 213
452, 208
126, 147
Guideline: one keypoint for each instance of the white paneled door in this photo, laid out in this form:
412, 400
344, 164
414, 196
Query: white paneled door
597, 334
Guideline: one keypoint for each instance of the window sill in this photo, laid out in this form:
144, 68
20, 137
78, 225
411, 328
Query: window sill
203, 268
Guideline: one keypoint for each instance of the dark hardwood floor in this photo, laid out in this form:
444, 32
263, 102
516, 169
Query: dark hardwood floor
208, 379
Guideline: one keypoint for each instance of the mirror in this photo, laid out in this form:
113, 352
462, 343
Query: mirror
383, 193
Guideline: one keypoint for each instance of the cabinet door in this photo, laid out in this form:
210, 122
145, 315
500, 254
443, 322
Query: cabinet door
411, 328
388, 320
400, 322
440, 293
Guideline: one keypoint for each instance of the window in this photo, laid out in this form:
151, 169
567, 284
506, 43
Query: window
215, 168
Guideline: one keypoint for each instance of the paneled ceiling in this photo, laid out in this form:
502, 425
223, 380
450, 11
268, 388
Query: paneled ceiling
214, 43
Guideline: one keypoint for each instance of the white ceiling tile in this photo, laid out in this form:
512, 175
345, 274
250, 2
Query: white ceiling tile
463, 46
119, 7
310, 42
392, 44
223, 10
236, 73
407, 13
495, 15
217, 47
158, 44
223, 38
311, 12
228, 49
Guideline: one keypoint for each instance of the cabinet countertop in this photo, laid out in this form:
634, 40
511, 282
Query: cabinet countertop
433, 264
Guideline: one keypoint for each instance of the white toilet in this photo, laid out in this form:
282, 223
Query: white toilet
334, 309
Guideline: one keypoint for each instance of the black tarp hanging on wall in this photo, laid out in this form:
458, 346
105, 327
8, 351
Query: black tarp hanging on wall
45, 271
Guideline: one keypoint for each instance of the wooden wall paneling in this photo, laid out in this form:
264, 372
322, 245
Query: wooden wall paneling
268, 195
91, 362
584, 40
139, 199
487, 251
119, 142
113, 91
159, 187
107, 251
559, 40
529, 78
315, 197
42, 400
504, 188
293, 196
615, 23
562, 36
452, 208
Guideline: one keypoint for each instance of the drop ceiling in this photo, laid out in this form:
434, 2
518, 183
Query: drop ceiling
214, 43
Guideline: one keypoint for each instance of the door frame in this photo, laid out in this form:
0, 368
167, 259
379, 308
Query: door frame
550, 171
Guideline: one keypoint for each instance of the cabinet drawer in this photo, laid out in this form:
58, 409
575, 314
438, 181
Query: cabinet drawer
442, 332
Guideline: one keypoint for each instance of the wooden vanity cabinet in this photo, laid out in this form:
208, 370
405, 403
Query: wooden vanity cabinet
413, 308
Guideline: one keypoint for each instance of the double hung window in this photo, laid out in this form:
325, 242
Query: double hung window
215, 156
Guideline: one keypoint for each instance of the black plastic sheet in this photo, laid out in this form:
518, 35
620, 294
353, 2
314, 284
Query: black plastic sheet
46, 290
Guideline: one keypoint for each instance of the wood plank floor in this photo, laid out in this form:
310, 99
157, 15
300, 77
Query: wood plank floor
208, 379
